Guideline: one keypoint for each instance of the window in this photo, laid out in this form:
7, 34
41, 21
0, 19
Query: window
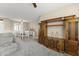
1, 27
16, 27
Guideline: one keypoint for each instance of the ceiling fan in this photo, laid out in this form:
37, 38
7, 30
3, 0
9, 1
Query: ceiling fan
34, 4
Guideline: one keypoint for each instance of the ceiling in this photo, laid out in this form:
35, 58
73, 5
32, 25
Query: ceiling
26, 10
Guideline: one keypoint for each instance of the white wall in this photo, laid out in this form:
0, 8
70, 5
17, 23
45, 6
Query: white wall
34, 25
72, 9
8, 25
1, 26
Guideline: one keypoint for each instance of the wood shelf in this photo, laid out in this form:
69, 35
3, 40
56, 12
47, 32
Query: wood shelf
55, 25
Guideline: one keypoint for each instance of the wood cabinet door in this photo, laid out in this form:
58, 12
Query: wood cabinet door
60, 45
70, 28
71, 47
71, 31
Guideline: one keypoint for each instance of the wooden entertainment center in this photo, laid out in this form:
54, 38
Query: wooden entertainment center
69, 44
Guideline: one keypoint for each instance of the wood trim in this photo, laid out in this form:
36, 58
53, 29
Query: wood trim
60, 18
55, 25
54, 19
1, 19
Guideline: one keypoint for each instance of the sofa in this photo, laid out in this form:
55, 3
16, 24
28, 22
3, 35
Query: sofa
7, 44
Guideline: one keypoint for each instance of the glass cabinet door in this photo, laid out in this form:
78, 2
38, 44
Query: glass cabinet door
69, 31
76, 30
72, 30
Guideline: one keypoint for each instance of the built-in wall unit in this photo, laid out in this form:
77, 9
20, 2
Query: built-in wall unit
64, 41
